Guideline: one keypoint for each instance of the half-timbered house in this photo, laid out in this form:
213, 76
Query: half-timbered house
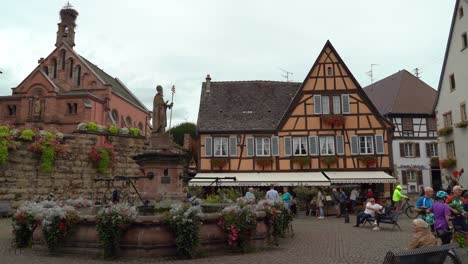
407, 102
321, 131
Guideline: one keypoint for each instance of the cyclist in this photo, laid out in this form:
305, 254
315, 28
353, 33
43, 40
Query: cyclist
456, 203
424, 203
442, 224
397, 195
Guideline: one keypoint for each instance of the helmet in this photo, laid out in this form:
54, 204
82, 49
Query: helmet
399, 187
441, 195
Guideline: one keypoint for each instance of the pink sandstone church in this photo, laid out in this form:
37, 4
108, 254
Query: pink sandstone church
66, 89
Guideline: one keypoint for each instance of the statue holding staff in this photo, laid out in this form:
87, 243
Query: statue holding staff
159, 111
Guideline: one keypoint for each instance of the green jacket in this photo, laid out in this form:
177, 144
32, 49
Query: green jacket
397, 195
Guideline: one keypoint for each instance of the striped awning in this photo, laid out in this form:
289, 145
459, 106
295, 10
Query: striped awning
261, 179
359, 177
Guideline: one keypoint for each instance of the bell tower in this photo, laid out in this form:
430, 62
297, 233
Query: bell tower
66, 28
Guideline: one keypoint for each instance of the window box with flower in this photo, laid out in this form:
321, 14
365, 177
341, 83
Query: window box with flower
329, 160
301, 160
333, 119
448, 163
445, 131
368, 160
264, 161
219, 162
462, 124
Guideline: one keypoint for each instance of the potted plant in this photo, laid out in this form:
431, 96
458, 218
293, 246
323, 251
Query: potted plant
301, 160
462, 124
368, 160
445, 131
329, 160
333, 119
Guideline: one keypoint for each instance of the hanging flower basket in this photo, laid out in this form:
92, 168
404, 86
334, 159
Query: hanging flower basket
219, 162
462, 124
448, 163
301, 160
264, 161
329, 160
103, 157
331, 119
368, 160
445, 131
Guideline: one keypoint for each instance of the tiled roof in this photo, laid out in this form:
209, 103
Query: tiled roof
402, 93
244, 105
117, 86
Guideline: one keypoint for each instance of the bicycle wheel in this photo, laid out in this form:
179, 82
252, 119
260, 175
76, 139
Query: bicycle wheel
410, 212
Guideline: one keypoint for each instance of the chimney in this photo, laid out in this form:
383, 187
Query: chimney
208, 84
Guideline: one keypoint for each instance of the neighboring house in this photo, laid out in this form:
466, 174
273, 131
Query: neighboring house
66, 89
450, 106
407, 102
294, 133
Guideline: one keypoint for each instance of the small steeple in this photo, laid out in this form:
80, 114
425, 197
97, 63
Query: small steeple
66, 28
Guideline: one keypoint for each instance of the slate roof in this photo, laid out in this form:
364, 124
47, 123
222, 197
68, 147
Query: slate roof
117, 86
402, 93
244, 105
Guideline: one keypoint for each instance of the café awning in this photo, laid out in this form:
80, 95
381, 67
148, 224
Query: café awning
359, 177
261, 179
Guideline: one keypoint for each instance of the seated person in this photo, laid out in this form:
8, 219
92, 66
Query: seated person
371, 209
422, 236
385, 213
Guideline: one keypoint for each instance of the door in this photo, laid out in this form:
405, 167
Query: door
436, 180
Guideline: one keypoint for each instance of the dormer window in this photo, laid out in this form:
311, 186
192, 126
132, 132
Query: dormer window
329, 71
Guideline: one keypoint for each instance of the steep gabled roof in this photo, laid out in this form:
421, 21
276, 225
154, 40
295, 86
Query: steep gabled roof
455, 9
402, 93
244, 105
117, 86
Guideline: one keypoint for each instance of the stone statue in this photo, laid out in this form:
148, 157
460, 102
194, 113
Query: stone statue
159, 111
36, 106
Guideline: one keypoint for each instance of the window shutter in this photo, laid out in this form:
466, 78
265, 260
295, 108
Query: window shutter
345, 104
325, 105
336, 105
313, 145
250, 147
416, 150
404, 178
233, 146
428, 150
379, 144
402, 150
317, 104
419, 177
354, 145
287, 146
340, 145
208, 147
275, 146
407, 123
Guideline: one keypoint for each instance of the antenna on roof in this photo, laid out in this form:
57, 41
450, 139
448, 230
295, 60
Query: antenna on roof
371, 72
286, 74
417, 72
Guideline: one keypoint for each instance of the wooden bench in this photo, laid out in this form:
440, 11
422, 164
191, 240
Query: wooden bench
427, 255
5, 208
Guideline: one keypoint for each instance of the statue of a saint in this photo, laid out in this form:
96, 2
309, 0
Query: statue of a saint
36, 106
159, 111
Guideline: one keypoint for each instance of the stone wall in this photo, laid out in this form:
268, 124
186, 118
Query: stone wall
73, 174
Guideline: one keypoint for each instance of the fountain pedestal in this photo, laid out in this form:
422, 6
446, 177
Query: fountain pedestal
166, 162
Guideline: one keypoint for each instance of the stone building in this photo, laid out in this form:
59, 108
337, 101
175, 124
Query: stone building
450, 106
407, 102
322, 131
66, 89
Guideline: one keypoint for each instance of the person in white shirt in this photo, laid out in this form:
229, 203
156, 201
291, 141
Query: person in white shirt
272, 194
371, 208
353, 196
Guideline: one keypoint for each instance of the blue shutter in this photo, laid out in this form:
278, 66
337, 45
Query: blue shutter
340, 145
346, 109
325, 105
233, 146
287, 146
317, 104
208, 147
379, 144
313, 145
354, 145
275, 146
250, 146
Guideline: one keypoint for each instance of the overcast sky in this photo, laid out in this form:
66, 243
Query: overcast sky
145, 43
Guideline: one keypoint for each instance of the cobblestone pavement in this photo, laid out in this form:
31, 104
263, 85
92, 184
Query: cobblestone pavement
316, 241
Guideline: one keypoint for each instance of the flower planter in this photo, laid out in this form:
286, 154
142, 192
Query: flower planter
448, 163
445, 131
301, 160
462, 124
266, 161
368, 160
329, 160
435, 162
219, 162
332, 119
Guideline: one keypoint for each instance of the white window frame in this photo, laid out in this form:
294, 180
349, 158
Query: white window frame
300, 141
327, 145
411, 175
410, 150
218, 144
433, 150
262, 147
368, 141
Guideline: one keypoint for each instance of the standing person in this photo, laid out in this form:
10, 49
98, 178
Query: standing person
369, 194
336, 202
397, 196
425, 202
353, 197
422, 237
442, 217
456, 204
343, 199
250, 194
371, 208
287, 197
319, 202
272, 194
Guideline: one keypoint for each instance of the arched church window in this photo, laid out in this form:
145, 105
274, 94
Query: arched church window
128, 121
54, 62
63, 59
11, 110
78, 75
71, 68
140, 126
115, 116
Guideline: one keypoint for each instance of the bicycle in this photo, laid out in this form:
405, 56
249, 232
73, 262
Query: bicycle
408, 209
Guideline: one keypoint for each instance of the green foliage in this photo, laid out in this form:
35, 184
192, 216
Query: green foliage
238, 223
185, 223
102, 156
445, 131
301, 160
178, 132
259, 195
304, 194
4, 131
219, 162
230, 194
93, 127
55, 228
329, 160
104, 162
49, 146
47, 158
135, 132
23, 228
113, 129
3, 151
448, 163
27, 134
462, 124
279, 217
212, 198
